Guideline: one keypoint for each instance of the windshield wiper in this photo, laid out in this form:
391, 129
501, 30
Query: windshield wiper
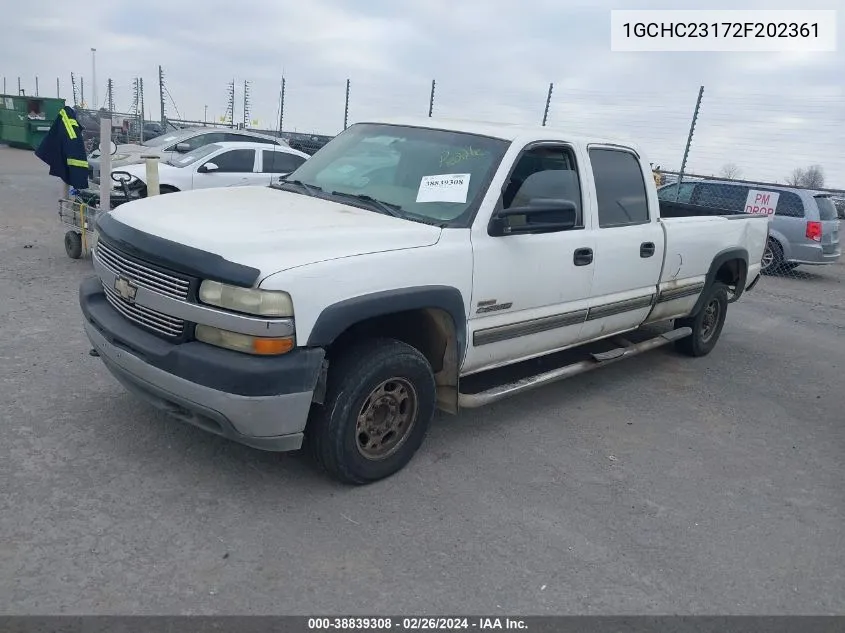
309, 189
384, 207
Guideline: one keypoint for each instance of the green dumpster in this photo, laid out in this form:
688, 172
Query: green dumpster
25, 120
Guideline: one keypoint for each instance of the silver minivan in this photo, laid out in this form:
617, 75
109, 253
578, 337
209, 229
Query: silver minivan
804, 228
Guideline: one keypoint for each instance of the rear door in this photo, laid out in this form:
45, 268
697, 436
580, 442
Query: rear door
276, 163
629, 243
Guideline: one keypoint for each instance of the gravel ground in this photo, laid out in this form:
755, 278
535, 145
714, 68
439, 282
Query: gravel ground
660, 485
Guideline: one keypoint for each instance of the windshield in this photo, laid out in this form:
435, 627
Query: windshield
435, 175
164, 139
827, 210
191, 157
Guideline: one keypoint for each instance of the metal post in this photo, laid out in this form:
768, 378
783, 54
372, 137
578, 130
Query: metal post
82, 92
346, 109
548, 103
58, 89
431, 99
246, 104
4, 85
141, 98
105, 163
205, 116
110, 95
151, 162
689, 142
161, 95
94, 79
19, 87
36, 85
282, 106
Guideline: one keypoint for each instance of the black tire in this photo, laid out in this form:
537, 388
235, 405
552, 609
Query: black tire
706, 325
73, 245
772, 257
377, 379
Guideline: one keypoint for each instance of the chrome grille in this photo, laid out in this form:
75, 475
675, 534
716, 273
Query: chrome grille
145, 317
140, 273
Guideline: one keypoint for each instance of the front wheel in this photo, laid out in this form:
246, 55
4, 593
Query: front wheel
706, 325
73, 244
380, 400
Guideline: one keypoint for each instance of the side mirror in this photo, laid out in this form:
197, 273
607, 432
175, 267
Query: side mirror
540, 215
207, 167
183, 148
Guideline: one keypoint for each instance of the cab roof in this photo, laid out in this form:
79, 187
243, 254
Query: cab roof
505, 131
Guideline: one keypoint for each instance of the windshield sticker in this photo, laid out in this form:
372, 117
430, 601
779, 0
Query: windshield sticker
444, 188
345, 169
451, 157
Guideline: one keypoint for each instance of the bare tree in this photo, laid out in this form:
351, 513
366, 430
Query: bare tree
730, 171
812, 177
795, 178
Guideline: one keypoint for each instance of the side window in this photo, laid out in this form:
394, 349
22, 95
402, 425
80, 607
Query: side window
235, 161
620, 188
279, 162
790, 205
728, 197
545, 173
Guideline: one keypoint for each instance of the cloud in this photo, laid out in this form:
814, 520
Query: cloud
492, 59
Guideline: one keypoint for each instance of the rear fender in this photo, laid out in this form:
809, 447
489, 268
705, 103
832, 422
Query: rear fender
720, 259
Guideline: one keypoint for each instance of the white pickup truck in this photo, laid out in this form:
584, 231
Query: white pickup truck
391, 272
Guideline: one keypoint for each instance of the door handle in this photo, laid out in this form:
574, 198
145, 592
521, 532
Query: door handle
646, 249
583, 256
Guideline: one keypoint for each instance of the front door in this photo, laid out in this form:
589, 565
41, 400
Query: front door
235, 167
531, 291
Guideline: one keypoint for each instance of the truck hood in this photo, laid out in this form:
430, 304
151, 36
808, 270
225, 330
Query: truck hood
270, 229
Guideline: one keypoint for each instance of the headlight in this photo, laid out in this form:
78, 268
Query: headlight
259, 345
270, 303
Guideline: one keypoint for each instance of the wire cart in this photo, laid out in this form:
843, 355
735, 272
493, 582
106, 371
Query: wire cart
79, 215
80, 210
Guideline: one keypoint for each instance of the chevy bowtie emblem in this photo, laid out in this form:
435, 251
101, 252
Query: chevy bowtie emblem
126, 289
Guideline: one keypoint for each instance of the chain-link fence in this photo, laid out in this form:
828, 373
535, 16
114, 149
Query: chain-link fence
777, 153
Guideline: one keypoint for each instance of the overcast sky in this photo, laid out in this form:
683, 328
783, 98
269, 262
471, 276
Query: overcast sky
492, 59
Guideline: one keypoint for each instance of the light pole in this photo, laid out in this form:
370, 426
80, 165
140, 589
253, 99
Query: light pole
94, 78
205, 116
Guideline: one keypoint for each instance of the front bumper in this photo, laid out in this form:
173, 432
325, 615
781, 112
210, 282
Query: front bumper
256, 401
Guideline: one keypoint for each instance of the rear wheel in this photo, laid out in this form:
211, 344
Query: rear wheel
380, 400
772, 256
706, 325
